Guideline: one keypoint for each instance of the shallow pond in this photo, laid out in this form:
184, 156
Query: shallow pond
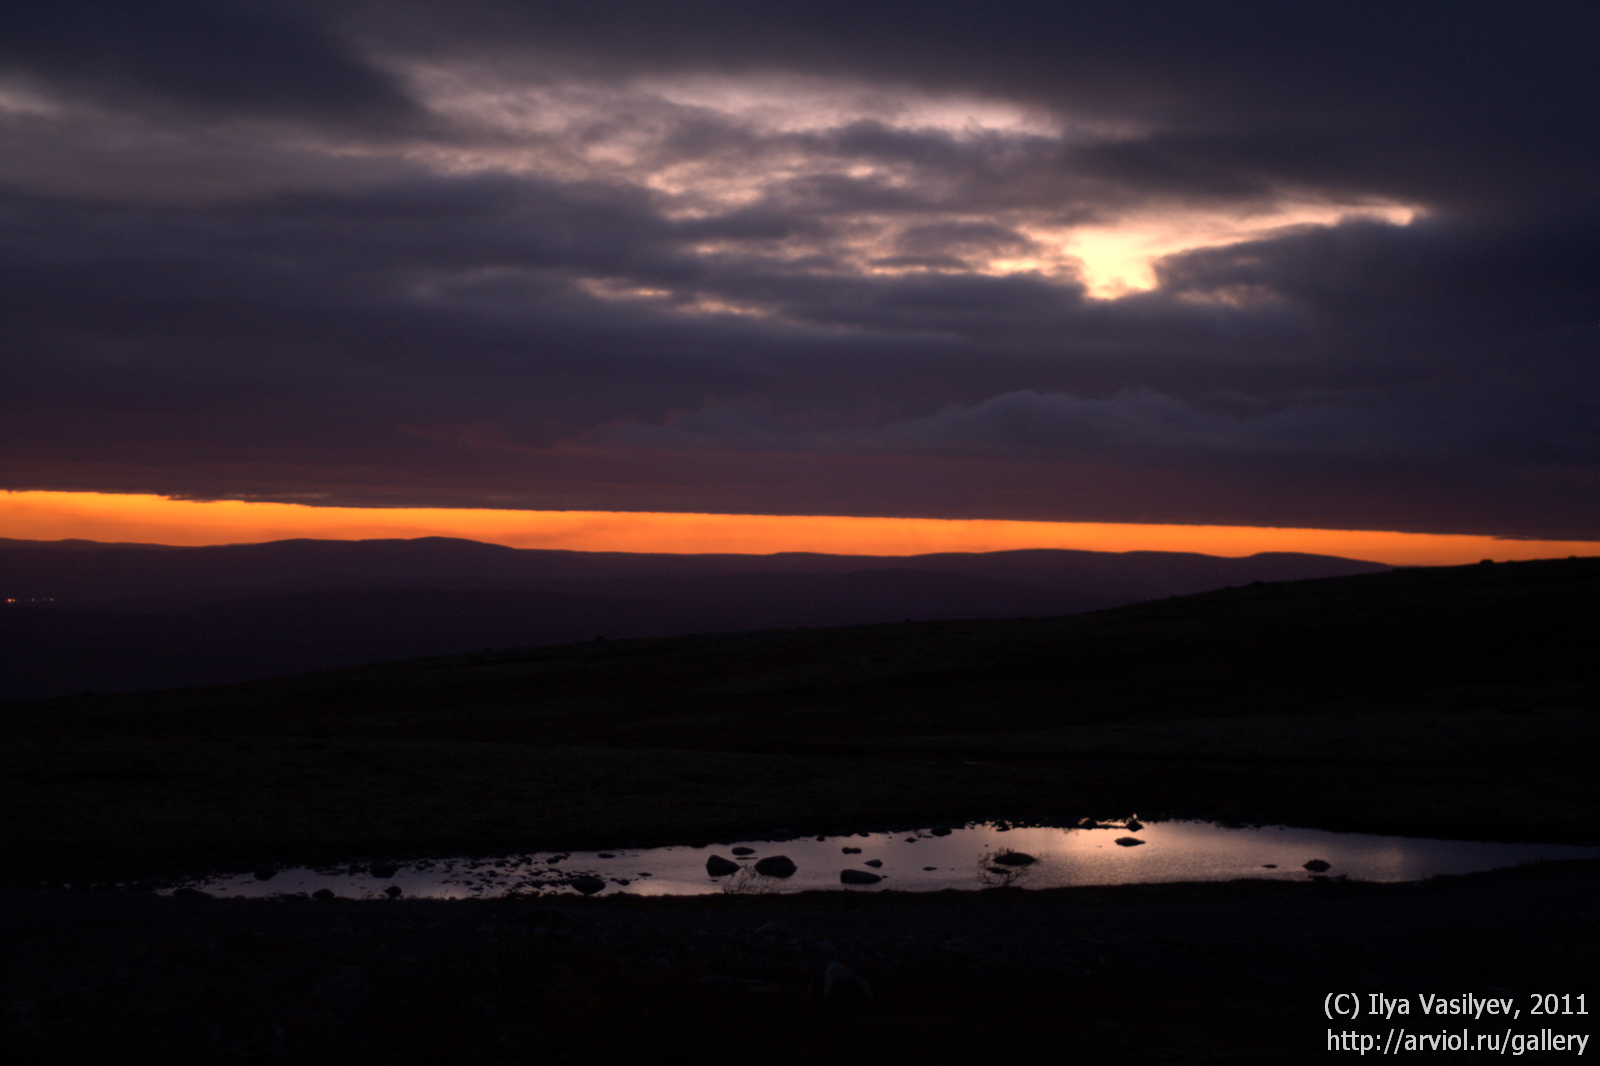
969, 857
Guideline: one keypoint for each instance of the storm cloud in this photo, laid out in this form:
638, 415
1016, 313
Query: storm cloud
1135, 262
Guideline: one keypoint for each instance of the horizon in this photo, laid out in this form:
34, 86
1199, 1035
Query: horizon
128, 519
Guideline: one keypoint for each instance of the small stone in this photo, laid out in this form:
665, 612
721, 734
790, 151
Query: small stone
851, 851
588, 885
873, 862
744, 851
858, 877
1129, 842
1316, 866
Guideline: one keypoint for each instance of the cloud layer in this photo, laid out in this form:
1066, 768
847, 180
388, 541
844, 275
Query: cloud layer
1133, 264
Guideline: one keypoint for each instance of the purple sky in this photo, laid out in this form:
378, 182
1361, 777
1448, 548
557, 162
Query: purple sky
1326, 265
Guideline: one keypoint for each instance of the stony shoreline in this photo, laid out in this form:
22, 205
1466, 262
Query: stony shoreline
117, 976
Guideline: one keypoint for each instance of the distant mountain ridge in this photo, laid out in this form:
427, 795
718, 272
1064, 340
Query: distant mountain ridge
84, 571
148, 616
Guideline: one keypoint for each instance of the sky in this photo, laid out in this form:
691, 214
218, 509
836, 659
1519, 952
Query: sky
1182, 265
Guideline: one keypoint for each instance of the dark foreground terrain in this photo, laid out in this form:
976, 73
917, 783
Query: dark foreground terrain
1453, 702
1211, 973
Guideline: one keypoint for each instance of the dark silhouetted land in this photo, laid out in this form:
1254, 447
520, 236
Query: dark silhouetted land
1456, 702
100, 618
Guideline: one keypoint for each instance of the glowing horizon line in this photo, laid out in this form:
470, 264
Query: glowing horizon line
150, 519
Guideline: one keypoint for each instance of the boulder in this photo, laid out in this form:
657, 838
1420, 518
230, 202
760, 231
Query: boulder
840, 984
588, 885
776, 866
717, 866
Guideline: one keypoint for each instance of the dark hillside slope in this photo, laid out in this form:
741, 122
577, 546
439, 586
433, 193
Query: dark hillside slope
57, 649
131, 617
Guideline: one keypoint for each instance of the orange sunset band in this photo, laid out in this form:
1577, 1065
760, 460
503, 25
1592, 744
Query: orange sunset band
159, 520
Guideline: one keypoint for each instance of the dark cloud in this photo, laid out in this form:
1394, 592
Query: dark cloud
820, 259
214, 57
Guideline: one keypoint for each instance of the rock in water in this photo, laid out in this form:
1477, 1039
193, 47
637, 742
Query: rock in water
858, 877
1017, 858
717, 866
1129, 842
1316, 866
776, 866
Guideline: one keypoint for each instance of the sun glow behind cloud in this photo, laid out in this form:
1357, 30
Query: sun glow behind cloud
1121, 258
159, 520
710, 145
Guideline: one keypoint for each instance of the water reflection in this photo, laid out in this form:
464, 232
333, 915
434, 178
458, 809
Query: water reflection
969, 857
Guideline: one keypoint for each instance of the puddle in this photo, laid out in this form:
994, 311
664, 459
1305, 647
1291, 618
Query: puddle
970, 857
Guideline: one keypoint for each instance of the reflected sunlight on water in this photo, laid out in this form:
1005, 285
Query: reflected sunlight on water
923, 860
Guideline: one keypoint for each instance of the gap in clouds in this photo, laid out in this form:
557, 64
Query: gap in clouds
108, 518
